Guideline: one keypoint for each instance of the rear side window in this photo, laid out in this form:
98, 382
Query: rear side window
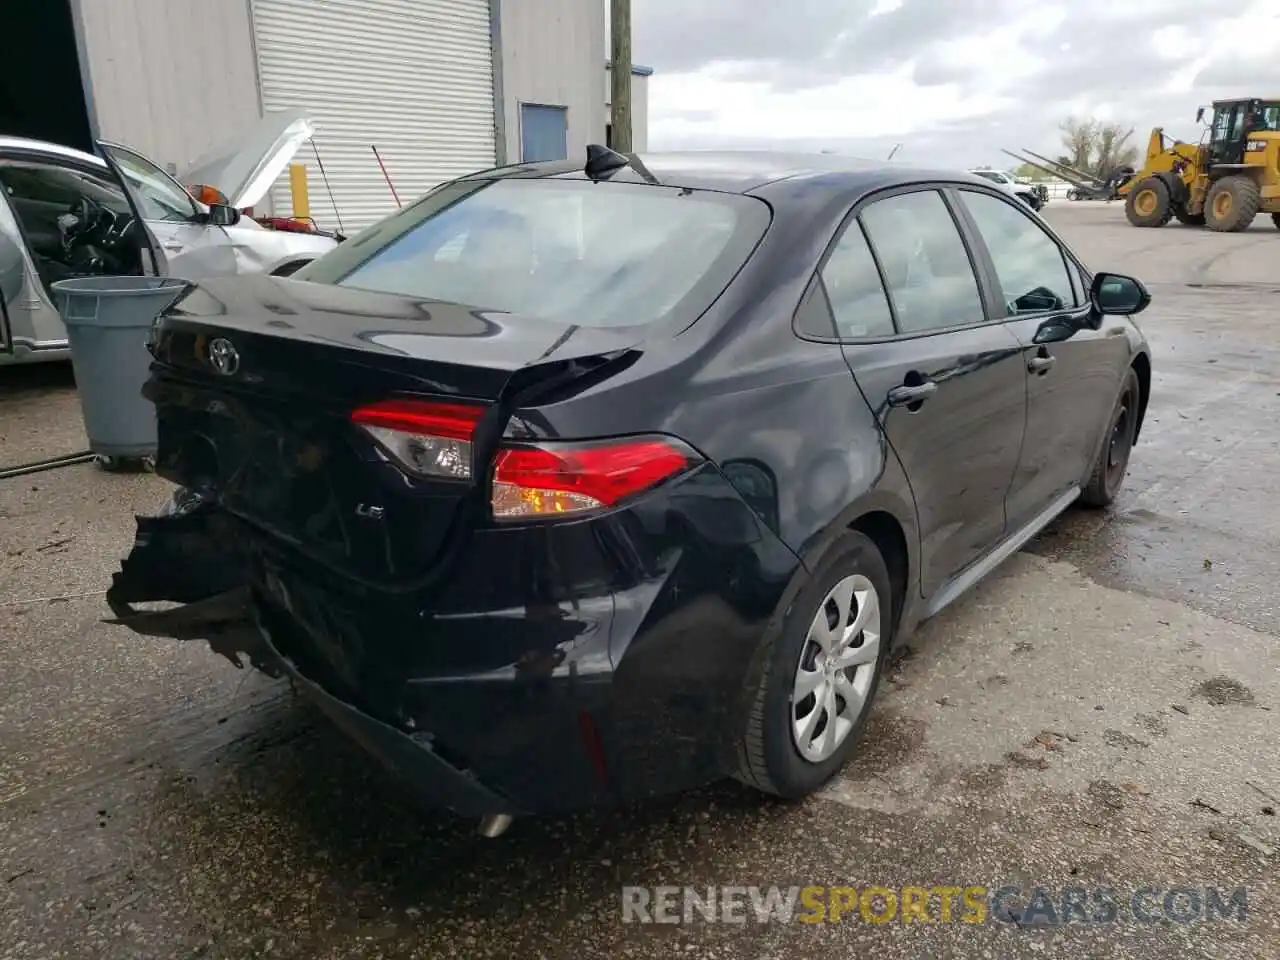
61, 187
595, 254
853, 285
1029, 263
925, 262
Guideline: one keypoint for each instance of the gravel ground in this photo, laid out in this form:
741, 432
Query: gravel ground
1103, 712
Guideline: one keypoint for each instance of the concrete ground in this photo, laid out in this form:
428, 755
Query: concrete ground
1103, 712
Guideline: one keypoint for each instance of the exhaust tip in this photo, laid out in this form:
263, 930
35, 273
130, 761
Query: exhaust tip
494, 825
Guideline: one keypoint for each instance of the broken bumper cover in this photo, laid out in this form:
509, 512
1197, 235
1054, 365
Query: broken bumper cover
554, 672
231, 624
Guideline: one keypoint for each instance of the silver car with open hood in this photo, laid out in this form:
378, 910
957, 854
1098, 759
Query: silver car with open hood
67, 213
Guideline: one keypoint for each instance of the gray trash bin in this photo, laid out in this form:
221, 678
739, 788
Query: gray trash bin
108, 320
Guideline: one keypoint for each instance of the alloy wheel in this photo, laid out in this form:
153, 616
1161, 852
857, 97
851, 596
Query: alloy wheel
837, 665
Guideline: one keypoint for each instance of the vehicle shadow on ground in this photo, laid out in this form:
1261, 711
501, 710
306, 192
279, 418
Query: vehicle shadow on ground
31, 379
292, 813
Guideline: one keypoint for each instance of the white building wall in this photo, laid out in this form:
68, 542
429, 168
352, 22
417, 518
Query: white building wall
173, 78
551, 56
639, 107
170, 78
640, 112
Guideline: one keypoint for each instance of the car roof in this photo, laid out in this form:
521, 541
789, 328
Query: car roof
46, 146
748, 171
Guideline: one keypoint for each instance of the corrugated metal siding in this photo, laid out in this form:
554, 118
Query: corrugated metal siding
551, 55
412, 77
171, 78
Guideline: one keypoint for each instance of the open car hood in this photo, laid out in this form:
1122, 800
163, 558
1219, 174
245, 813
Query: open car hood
244, 168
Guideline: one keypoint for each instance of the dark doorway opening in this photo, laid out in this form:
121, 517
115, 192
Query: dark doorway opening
41, 87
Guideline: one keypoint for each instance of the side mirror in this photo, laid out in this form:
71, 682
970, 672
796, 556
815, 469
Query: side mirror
1200, 115
1114, 294
221, 215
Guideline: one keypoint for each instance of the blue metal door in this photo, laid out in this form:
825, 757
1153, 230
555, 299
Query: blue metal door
544, 132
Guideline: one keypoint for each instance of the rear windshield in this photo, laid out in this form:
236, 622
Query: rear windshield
594, 254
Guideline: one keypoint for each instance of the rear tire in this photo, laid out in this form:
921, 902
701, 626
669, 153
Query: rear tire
1149, 204
1231, 204
1189, 219
1112, 463
1275, 218
783, 751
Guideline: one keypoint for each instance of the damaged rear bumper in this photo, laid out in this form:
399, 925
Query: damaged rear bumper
231, 623
564, 667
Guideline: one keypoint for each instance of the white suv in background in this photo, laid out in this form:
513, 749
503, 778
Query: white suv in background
1032, 196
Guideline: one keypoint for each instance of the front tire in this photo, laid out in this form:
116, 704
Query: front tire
1149, 204
821, 672
1112, 463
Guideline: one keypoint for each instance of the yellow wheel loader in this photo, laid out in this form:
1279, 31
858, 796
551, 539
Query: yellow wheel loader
1223, 182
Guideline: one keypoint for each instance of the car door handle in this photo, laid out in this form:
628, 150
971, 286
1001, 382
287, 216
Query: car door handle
915, 393
1040, 364
174, 247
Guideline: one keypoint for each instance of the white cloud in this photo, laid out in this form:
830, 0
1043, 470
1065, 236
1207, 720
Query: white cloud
949, 79
870, 105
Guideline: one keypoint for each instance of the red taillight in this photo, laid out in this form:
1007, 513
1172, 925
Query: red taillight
529, 480
565, 478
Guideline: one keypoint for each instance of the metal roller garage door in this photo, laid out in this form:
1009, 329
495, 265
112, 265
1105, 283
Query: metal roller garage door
413, 78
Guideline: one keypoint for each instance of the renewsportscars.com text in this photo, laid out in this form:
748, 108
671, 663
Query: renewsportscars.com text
970, 904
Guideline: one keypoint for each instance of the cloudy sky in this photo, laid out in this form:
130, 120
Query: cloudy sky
953, 78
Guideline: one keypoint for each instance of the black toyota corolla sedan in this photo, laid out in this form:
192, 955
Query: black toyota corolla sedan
575, 484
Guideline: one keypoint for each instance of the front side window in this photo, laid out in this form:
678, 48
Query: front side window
1029, 263
925, 262
158, 195
1228, 122
853, 285
1222, 123
594, 254
1237, 122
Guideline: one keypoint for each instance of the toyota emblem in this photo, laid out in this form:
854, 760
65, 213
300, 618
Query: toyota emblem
224, 357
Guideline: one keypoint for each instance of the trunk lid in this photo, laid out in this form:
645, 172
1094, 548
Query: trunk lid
255, 381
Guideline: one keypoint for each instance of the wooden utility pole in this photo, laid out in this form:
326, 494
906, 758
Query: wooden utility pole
620, 73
